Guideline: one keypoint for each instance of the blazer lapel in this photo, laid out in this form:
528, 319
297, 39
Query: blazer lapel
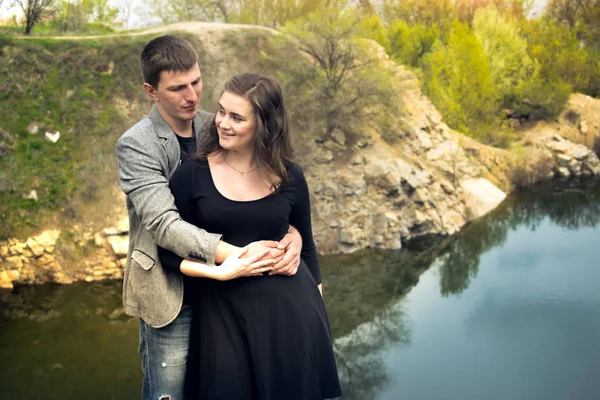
169, 140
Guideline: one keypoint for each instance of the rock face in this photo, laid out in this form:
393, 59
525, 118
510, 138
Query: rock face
36, 260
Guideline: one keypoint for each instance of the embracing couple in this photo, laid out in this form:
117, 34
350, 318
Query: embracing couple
222, 268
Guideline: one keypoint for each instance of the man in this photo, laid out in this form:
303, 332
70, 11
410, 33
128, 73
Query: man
148, 154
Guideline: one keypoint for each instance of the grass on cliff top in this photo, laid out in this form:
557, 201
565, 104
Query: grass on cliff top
70, 87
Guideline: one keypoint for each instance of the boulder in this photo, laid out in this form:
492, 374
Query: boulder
480, 196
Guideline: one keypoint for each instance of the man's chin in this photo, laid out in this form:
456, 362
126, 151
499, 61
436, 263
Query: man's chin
189, 114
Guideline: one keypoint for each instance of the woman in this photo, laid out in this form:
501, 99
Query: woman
254, 335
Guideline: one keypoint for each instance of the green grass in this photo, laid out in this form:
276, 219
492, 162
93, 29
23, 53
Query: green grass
66, 86
74, 87
50, 29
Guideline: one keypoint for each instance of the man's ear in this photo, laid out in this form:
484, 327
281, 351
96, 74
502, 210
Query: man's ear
151, 91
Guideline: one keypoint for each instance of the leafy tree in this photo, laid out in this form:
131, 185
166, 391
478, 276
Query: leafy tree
74, 15
192, 10
459, 82
428, 12
332, 79
410, 43
582, 17
372, 27
34, 11
510, 64
558, 52
466, 9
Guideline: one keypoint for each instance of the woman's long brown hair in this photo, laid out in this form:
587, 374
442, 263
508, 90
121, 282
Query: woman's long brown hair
273, 152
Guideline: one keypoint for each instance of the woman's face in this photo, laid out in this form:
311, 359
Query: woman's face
235, 122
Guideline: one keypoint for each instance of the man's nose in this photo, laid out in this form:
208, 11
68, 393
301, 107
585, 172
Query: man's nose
191, 94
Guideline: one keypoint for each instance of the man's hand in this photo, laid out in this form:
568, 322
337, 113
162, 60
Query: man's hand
273, 253
292, 244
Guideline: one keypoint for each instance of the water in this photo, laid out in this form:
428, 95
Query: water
508, 309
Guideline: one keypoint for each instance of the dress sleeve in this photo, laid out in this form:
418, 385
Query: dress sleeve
180, 185
301, 220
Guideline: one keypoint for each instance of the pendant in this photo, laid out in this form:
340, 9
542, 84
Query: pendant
242, 174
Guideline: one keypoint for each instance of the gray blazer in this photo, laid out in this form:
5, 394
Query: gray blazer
148, 155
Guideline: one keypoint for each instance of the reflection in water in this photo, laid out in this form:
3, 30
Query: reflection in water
571, 207
362, 293
68, 342
74, 342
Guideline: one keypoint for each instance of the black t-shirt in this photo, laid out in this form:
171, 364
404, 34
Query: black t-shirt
187, 147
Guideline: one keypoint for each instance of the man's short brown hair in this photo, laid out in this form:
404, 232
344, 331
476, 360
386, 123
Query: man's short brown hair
166, 53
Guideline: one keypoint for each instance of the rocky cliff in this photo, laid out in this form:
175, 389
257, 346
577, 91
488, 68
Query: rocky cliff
423, 179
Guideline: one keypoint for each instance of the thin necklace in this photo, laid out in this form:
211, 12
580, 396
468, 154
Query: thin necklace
242, 173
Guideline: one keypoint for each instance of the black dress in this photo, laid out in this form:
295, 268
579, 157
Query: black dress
265, 337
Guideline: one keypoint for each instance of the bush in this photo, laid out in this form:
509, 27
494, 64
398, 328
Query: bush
458, 81
409, 44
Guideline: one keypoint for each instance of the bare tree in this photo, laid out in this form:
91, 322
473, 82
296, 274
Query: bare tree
34, 11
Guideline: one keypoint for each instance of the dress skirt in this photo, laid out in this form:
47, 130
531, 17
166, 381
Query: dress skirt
261, 338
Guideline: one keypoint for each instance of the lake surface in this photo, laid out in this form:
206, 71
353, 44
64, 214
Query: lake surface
507, 309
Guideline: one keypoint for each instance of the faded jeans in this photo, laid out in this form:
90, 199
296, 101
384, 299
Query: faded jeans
164, 355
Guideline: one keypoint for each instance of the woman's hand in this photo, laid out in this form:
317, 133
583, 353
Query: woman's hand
235, 266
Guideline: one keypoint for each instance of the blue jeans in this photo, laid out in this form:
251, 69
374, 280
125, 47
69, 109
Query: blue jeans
164, 355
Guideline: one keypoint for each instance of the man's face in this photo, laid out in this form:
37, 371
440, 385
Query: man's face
177, 95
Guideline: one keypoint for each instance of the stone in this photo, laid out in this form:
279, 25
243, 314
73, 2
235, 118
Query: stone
13, 274
350, 236
382, 174
35, 248
559, 147
98, 239
564, 160
564, 172
4, 251
357, 160
423, 140
324, 157
121, 228
580, 152
46, 260
31, 196
119, 245
52, 135
583, 128
15, 261
338, 137
33, 127
47, 238
480, 196
5, 281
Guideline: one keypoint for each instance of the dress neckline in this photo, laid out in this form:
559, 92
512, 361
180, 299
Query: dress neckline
212, 181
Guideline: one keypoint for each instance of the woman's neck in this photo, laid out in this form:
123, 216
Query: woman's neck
241, 161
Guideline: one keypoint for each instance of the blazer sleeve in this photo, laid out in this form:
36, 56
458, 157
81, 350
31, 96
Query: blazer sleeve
300, 218
147, 188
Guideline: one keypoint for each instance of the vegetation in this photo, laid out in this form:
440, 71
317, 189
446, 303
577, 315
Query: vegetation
479, 62
78, 102
333, 82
